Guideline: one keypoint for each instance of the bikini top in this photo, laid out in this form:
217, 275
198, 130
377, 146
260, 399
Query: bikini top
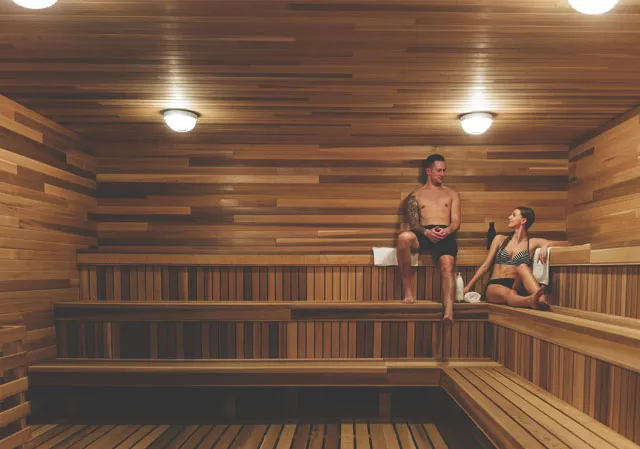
523, 257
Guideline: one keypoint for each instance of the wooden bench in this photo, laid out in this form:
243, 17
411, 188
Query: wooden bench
288, 374
514, 413
246, 330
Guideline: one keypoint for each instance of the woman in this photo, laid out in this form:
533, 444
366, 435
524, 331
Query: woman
512, 281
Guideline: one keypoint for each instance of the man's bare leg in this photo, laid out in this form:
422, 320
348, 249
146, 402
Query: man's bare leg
446, 264
531, 284
407, 243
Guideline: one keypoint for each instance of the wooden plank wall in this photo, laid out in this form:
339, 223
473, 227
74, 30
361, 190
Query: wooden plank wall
604, 198
254, 283
606, 289
602, 390
47, 185
309, 199
295, 339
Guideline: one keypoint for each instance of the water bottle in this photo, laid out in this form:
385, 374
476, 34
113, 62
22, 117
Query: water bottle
459, 288
491, 234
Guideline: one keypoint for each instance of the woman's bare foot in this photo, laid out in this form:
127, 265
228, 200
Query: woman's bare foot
544, 303
534, 300
409, 299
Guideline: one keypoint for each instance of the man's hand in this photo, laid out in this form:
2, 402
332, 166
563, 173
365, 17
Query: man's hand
442, 232
432, 235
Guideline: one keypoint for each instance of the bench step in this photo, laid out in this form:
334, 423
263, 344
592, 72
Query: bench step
514, 413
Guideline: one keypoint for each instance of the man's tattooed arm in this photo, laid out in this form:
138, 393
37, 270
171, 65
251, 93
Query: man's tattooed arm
413, 214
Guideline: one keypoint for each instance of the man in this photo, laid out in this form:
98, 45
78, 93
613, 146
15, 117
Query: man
434, 217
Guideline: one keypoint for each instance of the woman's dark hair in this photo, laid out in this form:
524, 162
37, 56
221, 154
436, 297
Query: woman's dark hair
527, 213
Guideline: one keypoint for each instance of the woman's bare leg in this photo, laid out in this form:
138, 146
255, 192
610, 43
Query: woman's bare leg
502, 295
531, 284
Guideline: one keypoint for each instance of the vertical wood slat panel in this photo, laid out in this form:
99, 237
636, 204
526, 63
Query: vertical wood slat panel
604, 391
605, 289
292, 339
255, 283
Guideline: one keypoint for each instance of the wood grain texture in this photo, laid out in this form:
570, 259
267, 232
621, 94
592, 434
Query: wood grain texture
358, 72
290, 199
328, 283
407, 338
612, 290
14, 407
251, 436
602, 390
47, 185
604, 180
514, 413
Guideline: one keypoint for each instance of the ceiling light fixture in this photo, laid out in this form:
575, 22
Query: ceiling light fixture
35, 4
593, 6
180, 120
476, 122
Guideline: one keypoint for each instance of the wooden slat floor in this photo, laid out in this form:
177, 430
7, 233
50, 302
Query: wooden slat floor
344, 435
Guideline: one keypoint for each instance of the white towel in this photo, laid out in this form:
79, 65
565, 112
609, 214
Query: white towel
387, 257
541, 270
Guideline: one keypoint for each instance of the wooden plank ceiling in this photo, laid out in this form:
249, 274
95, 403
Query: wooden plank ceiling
348, 73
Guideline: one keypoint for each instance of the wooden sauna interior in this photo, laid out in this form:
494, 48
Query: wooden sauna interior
216, 289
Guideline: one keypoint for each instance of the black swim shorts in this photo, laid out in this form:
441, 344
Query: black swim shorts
448, 246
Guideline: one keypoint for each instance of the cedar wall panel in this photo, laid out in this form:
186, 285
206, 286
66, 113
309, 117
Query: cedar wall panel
606, 289
47, 186
604, 188
295, 339
604, 391
252, 283
310, 199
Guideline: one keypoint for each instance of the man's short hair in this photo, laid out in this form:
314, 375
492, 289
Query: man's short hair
428, 162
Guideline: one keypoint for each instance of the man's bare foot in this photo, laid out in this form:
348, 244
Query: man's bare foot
447, 318
534, 300
409, 299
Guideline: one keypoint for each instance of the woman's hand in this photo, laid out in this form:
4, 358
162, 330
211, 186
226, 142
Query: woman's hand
466, 289
542, 258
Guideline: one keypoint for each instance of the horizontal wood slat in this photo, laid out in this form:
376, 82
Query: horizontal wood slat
604, 204
306, 202
14, 407
47, 185
359, 72
340, 372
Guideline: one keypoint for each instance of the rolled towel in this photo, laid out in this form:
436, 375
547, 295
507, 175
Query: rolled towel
541, 270
387, 257
472, 297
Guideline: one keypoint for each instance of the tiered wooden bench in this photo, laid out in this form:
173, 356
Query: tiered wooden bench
514, 413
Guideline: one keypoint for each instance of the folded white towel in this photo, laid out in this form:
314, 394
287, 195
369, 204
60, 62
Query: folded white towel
541, 270
387, 257
472, 297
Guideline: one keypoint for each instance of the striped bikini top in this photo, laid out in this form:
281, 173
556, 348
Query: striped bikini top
523, 257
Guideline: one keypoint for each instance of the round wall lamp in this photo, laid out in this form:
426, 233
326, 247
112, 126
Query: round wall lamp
593, 6
477, 122
35, 4
180, 120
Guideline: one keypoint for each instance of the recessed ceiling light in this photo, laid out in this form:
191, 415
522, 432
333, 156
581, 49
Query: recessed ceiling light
477, 122
35, 4
180, 120
593, 6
